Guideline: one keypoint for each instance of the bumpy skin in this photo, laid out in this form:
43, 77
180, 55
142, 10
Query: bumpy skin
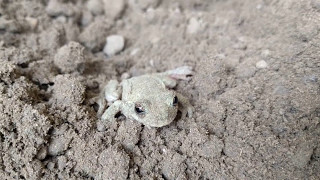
151, 94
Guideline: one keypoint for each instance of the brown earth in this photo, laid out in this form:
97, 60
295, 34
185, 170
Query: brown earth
255, 89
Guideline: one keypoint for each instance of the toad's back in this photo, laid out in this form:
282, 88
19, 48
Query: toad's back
142, 87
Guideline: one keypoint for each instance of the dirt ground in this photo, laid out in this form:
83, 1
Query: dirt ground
255, 89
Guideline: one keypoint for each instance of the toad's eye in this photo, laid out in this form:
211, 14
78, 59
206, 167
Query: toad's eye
139, 109
175, 101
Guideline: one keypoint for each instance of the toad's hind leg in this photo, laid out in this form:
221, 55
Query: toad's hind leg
109, 114
183, 73
110, 93
170, 77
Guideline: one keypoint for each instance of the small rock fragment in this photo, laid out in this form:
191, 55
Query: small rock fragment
70, 58
113, 9
51, 165
134, 52
95, 6
115, 44
194, 26
42, 153
33, 22
261, 64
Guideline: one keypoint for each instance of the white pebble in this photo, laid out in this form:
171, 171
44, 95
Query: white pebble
261, 64
114, 44
193, 26
33, 22
134, 51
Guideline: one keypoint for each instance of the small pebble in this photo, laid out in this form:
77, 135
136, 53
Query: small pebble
261, 64
114, 44
51, 165
42, 153
194, 26
33, 22
134, 51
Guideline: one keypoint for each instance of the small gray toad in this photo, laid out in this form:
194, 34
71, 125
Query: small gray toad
147, 98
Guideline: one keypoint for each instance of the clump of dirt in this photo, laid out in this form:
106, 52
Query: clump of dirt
255, 89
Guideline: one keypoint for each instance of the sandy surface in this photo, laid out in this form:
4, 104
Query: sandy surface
255, 89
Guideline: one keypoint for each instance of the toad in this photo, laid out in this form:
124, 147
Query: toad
148, 99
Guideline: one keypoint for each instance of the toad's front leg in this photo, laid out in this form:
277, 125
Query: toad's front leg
109, 114
110, 93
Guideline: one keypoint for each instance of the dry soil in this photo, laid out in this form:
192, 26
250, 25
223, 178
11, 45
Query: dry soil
255, 89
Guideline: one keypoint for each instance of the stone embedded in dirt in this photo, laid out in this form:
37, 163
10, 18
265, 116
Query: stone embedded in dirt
261, 64
68, 90
93, 36
113, 9
95, 6
114, 44
70, 58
